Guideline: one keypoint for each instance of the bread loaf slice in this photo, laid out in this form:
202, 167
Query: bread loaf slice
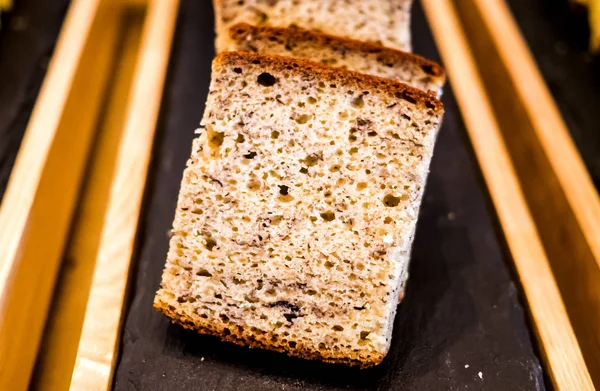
384, 22
340, 52
297, 208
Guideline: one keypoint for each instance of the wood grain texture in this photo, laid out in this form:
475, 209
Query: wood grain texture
98, 346
558, 343
56, 359
42, 192
559, 191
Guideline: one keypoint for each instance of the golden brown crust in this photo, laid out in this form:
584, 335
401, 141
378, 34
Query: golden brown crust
268, 341
333, 75
292, 36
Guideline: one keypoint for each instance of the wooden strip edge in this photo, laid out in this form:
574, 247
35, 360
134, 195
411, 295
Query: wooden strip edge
547, 121
40, 133
58, 348
562, 355
561, 194
17, 350
98, 345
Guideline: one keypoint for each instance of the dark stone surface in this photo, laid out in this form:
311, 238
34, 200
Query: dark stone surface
558, 39
462, 305
27, 38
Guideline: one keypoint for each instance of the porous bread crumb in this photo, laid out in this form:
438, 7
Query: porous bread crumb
384, 22
341, 53
281, 234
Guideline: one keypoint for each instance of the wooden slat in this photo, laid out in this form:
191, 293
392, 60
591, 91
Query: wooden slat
56, 359
99, 341
42, 192
558, 188
563, 357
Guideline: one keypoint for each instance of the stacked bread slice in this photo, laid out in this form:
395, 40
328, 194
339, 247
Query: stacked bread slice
384, 22
299, 203
339, 52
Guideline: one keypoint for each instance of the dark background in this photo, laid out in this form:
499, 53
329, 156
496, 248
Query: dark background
463, 304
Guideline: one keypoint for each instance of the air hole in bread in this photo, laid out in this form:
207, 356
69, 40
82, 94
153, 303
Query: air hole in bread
358, 102
391, 201
328, 216
302, 119
210, 243
254, 185
215, 139
266, 79
283, 190
311, 160
204, 273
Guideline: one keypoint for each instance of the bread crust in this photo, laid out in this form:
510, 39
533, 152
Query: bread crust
243, 337
333, 75
241, 31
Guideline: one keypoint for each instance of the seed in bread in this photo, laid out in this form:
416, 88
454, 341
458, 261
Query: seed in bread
340, 52
384, 22
298, 207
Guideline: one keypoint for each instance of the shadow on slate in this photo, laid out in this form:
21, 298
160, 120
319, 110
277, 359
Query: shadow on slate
558, 39
461, 307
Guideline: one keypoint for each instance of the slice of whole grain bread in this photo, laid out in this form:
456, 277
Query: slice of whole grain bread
341, 53
384, 22
297, 208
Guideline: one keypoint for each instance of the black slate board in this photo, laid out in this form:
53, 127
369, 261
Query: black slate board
558, 39
462, 306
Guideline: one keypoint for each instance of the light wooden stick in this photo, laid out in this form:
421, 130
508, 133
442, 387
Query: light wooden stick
99, 341
562, 197
558, 343
56, 359
42, 193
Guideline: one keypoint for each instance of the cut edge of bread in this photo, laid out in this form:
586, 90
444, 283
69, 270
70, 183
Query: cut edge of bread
240, 31
400, 90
